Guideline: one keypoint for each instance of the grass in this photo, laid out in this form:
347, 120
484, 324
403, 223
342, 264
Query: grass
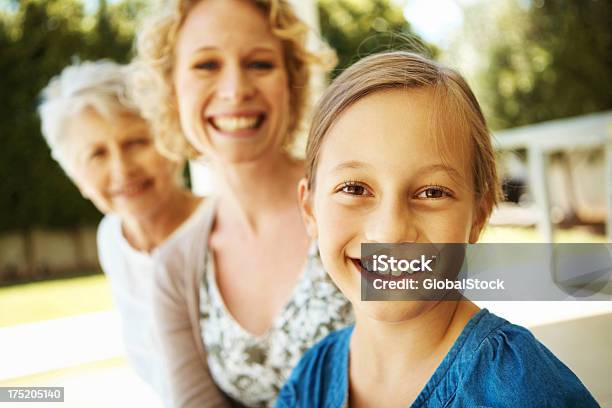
37, 379
53, 299
67, 297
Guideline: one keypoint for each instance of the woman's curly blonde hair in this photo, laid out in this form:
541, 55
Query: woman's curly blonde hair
151, 78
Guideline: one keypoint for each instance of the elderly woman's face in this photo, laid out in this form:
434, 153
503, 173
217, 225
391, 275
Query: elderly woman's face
230, 80
116, 165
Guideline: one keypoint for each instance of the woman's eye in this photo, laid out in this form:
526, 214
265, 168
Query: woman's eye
261, 65
97, 154
207, 65
433, 192
355, 189
142, 141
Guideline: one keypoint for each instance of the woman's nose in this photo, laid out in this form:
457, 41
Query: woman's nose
122, 164
392, 223
235, 84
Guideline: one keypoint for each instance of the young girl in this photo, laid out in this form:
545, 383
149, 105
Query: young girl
399, 153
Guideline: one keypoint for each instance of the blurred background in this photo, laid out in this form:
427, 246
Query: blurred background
542, 70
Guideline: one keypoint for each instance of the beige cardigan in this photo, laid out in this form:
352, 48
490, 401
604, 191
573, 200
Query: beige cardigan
177, 315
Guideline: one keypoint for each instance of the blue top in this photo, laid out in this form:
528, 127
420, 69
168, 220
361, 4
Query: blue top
493, 363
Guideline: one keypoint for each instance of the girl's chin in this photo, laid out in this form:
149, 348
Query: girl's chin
391, 311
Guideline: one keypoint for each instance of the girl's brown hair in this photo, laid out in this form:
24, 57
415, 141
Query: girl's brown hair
406, 70
153, 67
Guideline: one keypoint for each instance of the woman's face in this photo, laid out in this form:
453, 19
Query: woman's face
230, 81
381, 179
115, 164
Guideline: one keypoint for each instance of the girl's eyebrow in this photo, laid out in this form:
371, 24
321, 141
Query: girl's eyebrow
425, 170
352, 164
434, 168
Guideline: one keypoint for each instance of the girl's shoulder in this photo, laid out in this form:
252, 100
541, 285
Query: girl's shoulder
321, 375
503, 364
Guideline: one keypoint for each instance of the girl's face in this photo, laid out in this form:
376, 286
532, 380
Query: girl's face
230, 80
115, 164
381, 178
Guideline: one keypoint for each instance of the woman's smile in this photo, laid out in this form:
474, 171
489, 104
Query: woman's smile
239, 124
132, 189
231, 85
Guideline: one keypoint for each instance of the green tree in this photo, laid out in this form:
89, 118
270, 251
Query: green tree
357, 28
542, 60
576, 38
37, 42
38, 38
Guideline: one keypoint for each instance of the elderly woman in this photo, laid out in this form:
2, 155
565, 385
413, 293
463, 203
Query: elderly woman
244, 301
104, 145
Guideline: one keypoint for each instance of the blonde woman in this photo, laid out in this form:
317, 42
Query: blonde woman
245, 300
102, 142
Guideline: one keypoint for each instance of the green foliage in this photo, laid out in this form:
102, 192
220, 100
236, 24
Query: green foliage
38, 38
357, 28
549, 59
36, 43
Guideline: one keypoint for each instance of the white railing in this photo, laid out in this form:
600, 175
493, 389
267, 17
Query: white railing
542, 139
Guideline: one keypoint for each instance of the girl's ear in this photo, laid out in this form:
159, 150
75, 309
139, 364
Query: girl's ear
305, 201
480, 217
475, 233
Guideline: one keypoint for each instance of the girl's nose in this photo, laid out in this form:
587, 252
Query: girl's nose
391, 223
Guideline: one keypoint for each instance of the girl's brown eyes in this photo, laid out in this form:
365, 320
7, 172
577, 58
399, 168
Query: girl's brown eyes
354, 188
433, 192
429, 193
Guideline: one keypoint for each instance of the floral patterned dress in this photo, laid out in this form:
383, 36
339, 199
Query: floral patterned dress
252, 369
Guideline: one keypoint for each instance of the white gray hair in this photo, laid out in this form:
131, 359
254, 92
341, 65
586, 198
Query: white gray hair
99, 85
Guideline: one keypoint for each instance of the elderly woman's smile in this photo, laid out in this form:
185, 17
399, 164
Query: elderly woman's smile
116, 164
132, 188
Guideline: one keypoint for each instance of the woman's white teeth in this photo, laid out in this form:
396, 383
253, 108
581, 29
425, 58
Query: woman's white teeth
233, 123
